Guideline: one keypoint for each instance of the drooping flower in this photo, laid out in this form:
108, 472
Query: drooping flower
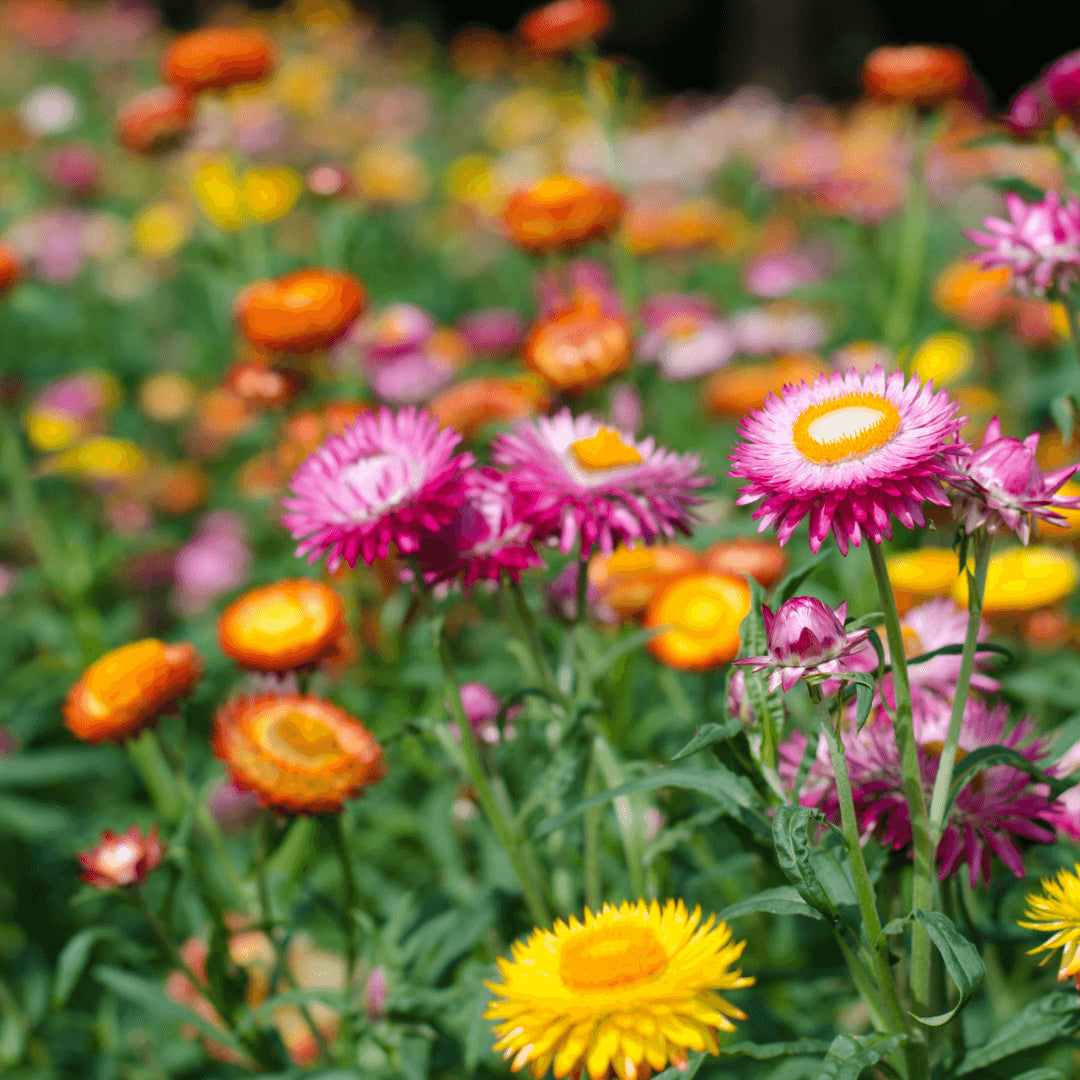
698, 616
629, 989
850, 453
128, 687
122, 860
1056, 911
1039, 244
1001, 485
298, 754
282, 626
805, 638
491, 534
388, 479
587, 482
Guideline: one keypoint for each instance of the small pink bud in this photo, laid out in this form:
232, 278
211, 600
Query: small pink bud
375, 994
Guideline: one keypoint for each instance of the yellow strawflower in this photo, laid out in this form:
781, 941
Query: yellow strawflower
1056, 911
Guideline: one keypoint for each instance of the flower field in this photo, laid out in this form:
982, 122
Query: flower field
504, 574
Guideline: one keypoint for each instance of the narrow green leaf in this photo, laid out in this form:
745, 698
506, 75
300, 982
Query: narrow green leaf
788, 586
865, 689
1063, 411
987, 756
769, 1051
1017, 185
850, 1054
72, 961
1056, 1016
34, 768
709, 735
554, 780
31, 820
783, 900
791, 838
623, 647
1042, 1074
678, 1074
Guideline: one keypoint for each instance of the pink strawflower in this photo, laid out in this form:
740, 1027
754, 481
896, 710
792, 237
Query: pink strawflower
805, 639
388, 479
122, 860
1001, 485
492, 331
584, 482
687, 345
849, 452
1040, 243
1061, 81
482, 705
489, 535
1066, 811
996, 806
1029, 112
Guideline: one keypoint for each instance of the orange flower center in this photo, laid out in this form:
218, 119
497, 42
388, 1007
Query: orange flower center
913, 645
609, 957
845, 427
557, 188
307, 740
605, 450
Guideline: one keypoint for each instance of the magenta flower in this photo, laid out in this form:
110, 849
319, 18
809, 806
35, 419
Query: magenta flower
482, 705
1040, 243
492, 331
585, 482
1061, 81
1001, 485
489, 535
806, 639
1029, 112
388, 479
849, 452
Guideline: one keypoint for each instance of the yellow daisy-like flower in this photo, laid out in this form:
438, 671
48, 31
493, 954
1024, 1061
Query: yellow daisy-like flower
1056, 910
626, 992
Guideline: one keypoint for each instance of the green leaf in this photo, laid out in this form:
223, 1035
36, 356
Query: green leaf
792, 841
34, 768
72, 961
554, 780
623, 647
150, 996
783, 900
768, 1051
1017, 185
788, 586
709, 735
31, 820
732, 792
986, 756
678, 1074
1056, 1016
1041, 1074
865, 689
850, 1054
1063, 411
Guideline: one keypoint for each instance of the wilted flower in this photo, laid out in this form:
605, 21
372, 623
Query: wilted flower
122, 860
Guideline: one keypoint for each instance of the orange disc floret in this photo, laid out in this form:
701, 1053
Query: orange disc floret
128, 687
703, 613
561, 212
299, 754
155, 119
763, 560
282, 626
471, 405
11, 269
580, 348
564, 25
305, 311
218, 57
922, 75
629, 578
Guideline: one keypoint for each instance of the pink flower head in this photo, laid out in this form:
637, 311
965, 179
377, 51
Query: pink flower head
584, 482
489, 535
492, 331
1066, 812
1061, 80
688, 345
388, 479
1040, 243
122, 860
849, 452
482, 706
806, 638
1029, 112
1001, 484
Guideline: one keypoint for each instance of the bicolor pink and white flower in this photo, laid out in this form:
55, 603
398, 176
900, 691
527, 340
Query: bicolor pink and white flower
850, 453
589, 484
122, 859
1040, 243
388, 480
1000, 485
805, 639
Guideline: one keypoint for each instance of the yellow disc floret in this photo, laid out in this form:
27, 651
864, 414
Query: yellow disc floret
845, 427
605, 450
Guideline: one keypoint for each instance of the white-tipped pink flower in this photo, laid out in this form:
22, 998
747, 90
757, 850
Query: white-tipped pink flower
1040, 243
805, 638
1001, 486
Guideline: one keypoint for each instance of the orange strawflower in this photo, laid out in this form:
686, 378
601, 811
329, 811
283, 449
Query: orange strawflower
922, 75
119, 861
296, 753
11, 269
976, 298
629, 578
564, 25
471, 405
302, 312
561, 212
304, 432
127, 688
580, 348
282, 626
218, 57
762, 559
261, 386
704, 612
734, 391
155, 120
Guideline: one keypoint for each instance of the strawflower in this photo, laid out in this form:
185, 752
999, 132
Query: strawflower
624, 992
1039, 244
850, 453
1056, 911
588, 483
122, 860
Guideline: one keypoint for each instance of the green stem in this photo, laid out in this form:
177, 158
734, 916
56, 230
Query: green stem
532, 639
629, 811
904, 731
594, 885
339, 829
1071, 318
508, 832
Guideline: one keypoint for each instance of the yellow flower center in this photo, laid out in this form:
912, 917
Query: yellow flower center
556, 188
610, 956
845, 427
913, 645
604, 450
304, 737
